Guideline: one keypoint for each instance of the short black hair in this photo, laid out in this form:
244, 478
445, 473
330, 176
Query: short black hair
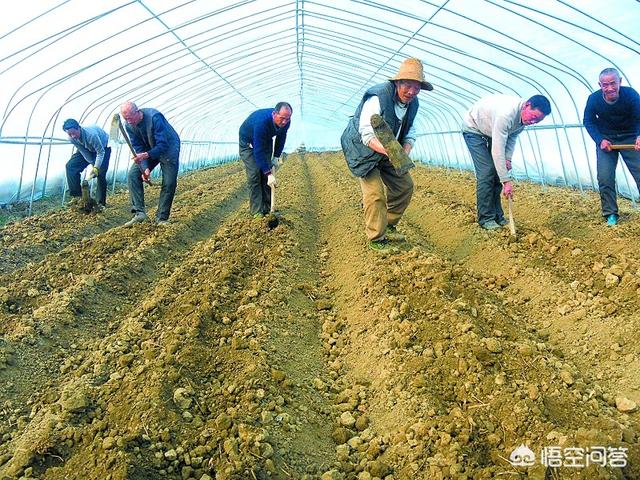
540, 102
70, 123
279, 105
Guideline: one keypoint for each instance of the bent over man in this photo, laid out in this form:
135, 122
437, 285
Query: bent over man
91, 144
155, 143
491, 127
396, 100
612, 116
257, 148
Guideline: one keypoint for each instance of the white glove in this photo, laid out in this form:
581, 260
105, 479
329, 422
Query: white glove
276, 162
90, 172
271, 180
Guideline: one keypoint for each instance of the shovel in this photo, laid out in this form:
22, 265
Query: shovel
397, 156
118, 129
512, 224
272, 219
88, 203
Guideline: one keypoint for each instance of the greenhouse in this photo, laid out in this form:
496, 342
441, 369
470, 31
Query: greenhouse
314, 299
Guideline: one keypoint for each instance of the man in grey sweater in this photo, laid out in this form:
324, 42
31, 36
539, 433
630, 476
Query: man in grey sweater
91, 144
490, 129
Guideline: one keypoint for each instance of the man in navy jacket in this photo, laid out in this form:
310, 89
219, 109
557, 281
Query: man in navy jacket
612, 116
257, 148
155, 143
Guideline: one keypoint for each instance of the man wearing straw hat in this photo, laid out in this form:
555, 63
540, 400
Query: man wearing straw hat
92, 150
490, 130
612, 116
396, 100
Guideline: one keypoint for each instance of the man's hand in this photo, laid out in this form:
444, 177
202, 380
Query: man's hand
507, 189
271, 180
638, 143
140, 156
606, 145
93, 173
508, 163
145, 175
375, 145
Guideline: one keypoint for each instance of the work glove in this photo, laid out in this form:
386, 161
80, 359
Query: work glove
276, 162
271, 180
90, 172
507, 189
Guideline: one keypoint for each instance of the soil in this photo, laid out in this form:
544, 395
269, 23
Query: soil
217, 348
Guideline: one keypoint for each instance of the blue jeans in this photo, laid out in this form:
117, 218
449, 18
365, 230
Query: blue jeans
75, 167
606, 166
169, 167
488, 184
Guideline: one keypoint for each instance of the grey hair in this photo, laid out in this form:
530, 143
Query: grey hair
610, 71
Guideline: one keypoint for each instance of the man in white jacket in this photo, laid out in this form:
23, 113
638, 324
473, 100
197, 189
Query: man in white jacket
490, 129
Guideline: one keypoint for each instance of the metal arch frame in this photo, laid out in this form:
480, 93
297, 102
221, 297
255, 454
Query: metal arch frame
48, 88
314, 49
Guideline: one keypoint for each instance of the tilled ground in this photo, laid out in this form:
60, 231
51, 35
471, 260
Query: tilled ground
214, 348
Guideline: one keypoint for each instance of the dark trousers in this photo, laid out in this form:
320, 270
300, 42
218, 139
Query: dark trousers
606, 166
169, 169
76, 165
259, 191
488, 184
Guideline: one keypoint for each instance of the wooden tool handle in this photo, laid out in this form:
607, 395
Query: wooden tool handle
273, 199
512, 224
623, 147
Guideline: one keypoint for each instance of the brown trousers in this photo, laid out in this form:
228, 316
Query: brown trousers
381, 210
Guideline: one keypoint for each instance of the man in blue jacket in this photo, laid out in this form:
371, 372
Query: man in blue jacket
91, 144
257, 148
155, 143
612, 116
396, 100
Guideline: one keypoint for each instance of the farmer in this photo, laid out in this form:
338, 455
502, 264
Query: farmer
396, 100
612, 116
91, 144
490, 129
257, 148
155, 142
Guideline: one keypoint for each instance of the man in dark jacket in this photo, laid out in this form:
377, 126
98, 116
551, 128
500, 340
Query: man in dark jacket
256, 150
612, 116
397, 102
91, 144
155, 143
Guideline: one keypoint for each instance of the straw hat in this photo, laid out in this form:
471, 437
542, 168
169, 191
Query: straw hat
411, 69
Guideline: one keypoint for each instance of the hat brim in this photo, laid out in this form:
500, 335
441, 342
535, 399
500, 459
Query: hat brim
423, 85
426, 86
